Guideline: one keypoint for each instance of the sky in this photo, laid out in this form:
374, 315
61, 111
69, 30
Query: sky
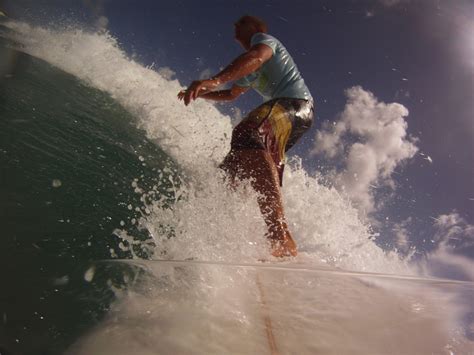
393, 83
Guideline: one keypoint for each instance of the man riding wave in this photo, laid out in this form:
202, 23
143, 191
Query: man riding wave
260, 140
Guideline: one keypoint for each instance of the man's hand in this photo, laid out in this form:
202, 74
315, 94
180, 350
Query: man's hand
197, 88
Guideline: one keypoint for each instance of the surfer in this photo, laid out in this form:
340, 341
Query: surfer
260, 140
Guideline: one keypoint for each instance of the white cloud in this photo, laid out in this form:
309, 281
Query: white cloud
371, 140
444, 263
453, 231
329, 143
452, 235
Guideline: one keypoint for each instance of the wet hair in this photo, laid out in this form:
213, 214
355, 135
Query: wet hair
259, 24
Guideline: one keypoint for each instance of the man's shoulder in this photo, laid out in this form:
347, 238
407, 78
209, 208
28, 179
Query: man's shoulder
262, 36
265, 38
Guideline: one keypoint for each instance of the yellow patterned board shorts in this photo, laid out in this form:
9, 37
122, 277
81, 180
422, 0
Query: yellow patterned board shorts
274, 126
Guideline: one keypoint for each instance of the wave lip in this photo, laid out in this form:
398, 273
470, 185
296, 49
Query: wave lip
191, 135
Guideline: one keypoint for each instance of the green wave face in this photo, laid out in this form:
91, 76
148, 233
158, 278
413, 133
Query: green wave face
69, 156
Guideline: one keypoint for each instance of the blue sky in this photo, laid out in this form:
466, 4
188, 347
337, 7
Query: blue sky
415, 53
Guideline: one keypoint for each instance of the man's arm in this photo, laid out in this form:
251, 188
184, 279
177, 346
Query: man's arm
243, 65
221, 95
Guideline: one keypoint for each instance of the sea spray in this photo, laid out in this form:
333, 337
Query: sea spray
196, 136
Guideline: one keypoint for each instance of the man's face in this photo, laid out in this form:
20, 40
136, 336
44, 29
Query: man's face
243, 32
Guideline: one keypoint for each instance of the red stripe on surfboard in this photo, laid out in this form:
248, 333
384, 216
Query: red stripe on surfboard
267, 320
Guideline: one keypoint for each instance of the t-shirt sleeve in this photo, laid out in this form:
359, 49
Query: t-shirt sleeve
265, 39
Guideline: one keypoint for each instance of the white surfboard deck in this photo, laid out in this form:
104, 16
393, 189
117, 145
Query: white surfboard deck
195, 307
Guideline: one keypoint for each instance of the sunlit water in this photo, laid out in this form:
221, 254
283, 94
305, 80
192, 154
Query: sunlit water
155, 193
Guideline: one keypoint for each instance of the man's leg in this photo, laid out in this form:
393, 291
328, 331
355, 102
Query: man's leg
258, 166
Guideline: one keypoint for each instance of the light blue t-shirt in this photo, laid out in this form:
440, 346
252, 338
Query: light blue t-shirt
277, 77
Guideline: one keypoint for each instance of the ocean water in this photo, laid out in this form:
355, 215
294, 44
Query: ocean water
106, 178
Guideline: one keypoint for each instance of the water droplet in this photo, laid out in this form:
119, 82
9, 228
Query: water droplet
89, 274
56, 183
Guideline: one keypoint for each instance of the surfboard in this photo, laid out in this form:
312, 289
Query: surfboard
275, 308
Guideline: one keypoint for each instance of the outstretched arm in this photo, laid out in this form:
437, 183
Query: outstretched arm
221, 95
243, 65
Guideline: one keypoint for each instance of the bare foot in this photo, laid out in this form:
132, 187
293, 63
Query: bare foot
285, 247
